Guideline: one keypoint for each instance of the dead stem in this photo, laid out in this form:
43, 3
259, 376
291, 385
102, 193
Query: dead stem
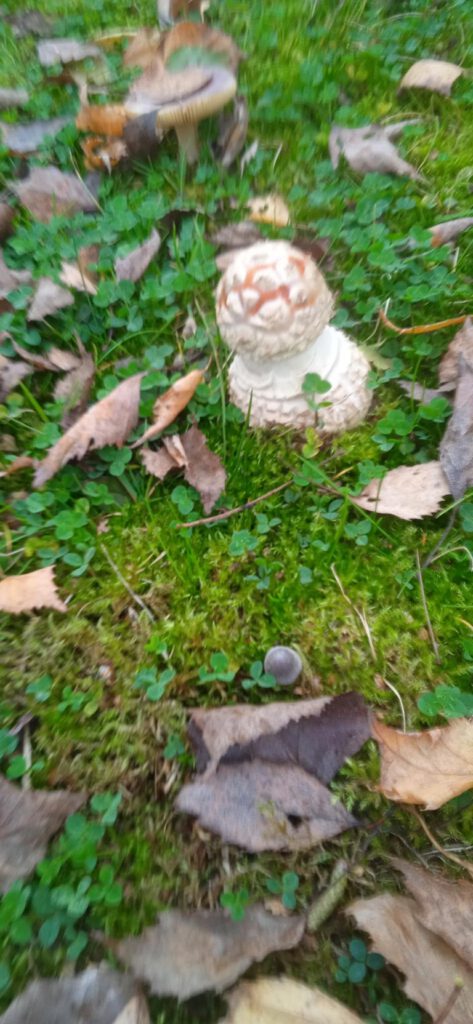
426, 610
445, 1013
422, 328
124, 583
233, 511
445, 853
359, 614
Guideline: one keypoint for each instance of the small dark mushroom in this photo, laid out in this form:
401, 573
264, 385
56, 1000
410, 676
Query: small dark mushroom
284, 664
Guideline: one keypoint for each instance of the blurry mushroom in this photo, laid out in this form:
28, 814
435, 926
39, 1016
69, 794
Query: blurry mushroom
284, 663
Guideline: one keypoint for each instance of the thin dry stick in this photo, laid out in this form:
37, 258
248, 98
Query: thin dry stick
360, 615
219, 516
136, 597
422, 328
445, 1013
445, 853
426, 611
391, 687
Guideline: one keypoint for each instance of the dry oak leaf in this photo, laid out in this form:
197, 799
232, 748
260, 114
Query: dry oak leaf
270, 209
24, 139
449, 230
435, 75
442, 906
188, 953
168, 406
262, 806
317, 735
432, 968
461, 344
11, 372
428, 767
456, 446
48, 192
202, 468
370, 149
99, 994
133, 266
408, 492
65, 51
109, 421
48, 298
28, 818
30, 591
284, 1001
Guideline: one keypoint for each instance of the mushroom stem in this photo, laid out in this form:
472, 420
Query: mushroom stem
188, 142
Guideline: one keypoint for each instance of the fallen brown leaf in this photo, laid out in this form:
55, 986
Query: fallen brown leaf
109, 421
428, 767
188, 953
13, 98
408, 492
25, 23
442, 906
74, 276
456, 446
24, 139
10, 279
433, 970
74, 389
65, 51
48, 192
142, 49
190, 452
48, 298
371, 149
422, 394
317, 735
133, 266
262, 806
236, 236
99, 994
28, 818
233, 130
168, 406
449, 230
21, 462
55, 359
11, 372
461, 345
435, 75
269, 209
31, 590
284, 1001
103, 154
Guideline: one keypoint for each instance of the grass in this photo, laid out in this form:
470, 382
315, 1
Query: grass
245, 584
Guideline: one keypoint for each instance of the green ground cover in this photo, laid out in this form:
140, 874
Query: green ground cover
264, 576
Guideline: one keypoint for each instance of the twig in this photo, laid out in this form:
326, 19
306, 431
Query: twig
445, 853
28, 758
360, 614
124, 583
426, 610
422, 328
391, 687
219, 516
433, 554
445, 1013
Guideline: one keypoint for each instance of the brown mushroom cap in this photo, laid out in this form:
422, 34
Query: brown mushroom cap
203, 103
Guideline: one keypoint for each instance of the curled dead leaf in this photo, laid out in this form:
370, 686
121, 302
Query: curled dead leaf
202, 468
188, 953
435, 75
284, 1001
11, 373
428, 767
48, 298
109, 421
270, 209
408, 492
133, 266
449, 230
168, 406
456, 446
30, 591
461, 345
371, 149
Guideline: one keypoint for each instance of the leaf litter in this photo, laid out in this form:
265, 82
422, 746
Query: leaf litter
25, 139
99, 995
408, 492
168, 406
202, 468
48, 299
133, 266
371, 149
456, 446
284, 1001
428, 767
30, 591
48, 192
434, 75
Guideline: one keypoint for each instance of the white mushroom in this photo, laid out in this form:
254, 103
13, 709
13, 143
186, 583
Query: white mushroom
273, 310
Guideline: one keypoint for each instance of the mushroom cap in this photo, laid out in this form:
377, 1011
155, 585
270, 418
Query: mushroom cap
272, 301
284, 663
220, 88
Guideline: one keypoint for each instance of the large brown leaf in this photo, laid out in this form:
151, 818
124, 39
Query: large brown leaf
408, 492
263, 806
370, 149
317, 735
30, 591
28, 818
202, 468
168, 406
24, 139
456, 446
431, 967
434, 75
460, 345
133, 266
188, 953
284, 1001
48, 298
98, 995
428, 767
48, 192
442, 906
109, 421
